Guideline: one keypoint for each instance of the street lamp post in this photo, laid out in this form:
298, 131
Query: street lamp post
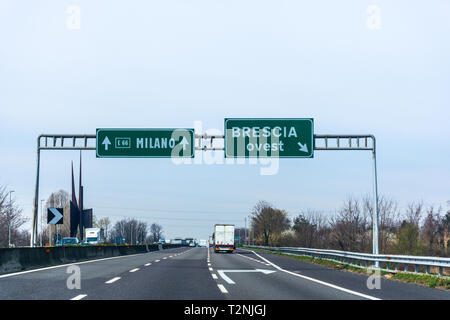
9, 219
245, 231
42, 218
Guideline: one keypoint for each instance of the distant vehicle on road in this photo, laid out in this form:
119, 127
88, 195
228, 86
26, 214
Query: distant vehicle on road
203, 243
176, 241
224, 238
162, 241
68, 241
95, 236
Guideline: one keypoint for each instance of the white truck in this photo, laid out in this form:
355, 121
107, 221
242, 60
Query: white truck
224, 238
94, 236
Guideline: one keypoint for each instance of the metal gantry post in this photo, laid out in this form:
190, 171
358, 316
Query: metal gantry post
340, 145
375, 204
53, 146
36, 196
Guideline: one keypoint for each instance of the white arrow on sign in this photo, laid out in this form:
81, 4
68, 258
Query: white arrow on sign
106, 142
227, 279
57, 216
184, 143
303, 147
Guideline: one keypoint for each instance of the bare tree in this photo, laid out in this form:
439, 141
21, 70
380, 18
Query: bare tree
414, 212
268, 222
349, 227
11, 219
309, 226
156, 232
134, 231
103, 223
430, 230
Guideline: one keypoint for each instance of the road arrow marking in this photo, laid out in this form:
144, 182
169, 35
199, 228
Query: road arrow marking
227, 279
303, 147
57, 216
184, 143
106, 142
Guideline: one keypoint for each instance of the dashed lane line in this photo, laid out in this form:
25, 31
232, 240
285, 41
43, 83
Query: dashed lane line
222, 288
113, 280
79, 297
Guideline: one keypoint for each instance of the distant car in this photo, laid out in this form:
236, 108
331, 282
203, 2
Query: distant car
69, 241
191, 244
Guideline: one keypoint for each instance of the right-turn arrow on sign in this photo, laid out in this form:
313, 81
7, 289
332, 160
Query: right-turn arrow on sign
55, 215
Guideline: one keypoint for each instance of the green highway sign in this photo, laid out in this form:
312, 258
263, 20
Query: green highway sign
271, 137
145, 143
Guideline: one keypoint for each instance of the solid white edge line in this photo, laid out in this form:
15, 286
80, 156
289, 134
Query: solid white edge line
79, 297
113, 280
222, 288
318, 281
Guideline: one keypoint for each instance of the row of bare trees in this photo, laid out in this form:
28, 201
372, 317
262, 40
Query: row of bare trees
416, 230
11, 219
136, 232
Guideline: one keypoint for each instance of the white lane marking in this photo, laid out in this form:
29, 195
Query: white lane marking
134, 270
157, 260
79, 297
170, 256
227, 279
214, 276
69, 264
209, 264
210, 269
318, 281
113, 280
222, 288
147, 264
164, 258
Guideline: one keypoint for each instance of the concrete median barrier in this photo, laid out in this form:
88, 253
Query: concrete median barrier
19, 259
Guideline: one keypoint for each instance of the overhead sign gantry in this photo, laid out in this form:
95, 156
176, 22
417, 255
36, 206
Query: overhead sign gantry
243, 138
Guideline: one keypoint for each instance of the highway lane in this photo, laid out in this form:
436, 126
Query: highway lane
270, 284
389, 289
180, 277
199, 273
51, 283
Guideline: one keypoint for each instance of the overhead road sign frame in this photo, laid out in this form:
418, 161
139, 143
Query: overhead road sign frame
328, 142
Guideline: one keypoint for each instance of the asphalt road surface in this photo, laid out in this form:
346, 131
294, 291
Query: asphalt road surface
199, 273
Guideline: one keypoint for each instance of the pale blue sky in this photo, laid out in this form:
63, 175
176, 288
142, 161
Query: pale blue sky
169, 63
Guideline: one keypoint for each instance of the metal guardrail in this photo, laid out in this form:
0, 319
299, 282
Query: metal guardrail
366, 260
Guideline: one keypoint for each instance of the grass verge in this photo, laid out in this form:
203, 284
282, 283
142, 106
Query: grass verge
431, 281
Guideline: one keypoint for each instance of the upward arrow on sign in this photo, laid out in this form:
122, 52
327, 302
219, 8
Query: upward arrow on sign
106, 143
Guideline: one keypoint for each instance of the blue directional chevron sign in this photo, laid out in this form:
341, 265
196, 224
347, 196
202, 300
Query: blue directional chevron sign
55, 215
